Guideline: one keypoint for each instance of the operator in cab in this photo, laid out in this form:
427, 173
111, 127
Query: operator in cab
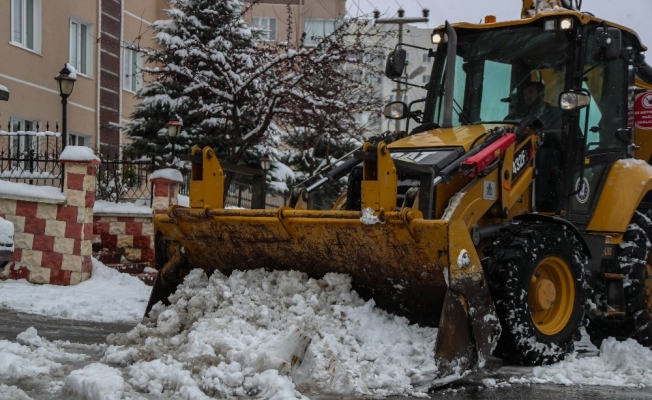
533, 104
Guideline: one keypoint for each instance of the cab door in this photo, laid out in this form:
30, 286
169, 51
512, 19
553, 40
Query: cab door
596, 126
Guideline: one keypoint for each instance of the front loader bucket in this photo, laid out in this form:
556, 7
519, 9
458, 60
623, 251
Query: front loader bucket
397, 262
425, 270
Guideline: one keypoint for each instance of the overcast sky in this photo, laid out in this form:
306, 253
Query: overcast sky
635, 14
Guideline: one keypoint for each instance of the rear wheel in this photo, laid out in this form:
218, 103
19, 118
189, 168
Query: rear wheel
537, 281
635, 263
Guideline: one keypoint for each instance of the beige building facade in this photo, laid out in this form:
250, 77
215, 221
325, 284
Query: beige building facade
95, 37
42, 35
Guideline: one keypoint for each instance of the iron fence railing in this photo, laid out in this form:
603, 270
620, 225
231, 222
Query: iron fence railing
246, 188
122, 180
31, 157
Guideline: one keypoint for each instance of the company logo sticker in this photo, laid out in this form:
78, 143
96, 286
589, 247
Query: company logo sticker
583, 190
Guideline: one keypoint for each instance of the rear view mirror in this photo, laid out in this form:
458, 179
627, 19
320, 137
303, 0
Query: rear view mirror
607, 44
569, 101
395, 110
395, 64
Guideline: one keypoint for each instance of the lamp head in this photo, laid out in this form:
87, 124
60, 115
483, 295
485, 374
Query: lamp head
66, 81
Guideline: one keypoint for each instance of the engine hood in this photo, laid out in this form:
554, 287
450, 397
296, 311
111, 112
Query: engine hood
436, 148
461, 136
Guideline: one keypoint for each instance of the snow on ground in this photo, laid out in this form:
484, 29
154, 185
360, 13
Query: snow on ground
108, 296
272, 335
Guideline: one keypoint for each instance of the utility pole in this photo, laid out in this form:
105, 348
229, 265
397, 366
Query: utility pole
400, 21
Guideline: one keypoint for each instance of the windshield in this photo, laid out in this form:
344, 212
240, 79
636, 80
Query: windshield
502, 75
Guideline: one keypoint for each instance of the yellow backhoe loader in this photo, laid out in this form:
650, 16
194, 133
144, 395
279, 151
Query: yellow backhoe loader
507, 223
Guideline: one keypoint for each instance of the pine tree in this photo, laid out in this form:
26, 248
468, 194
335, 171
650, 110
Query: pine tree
205, 53
238, 94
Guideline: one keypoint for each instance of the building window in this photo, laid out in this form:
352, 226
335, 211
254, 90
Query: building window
425, 57
425, 79
133, 64
267, 27
317, 29
26, 24
80, 46
78, 140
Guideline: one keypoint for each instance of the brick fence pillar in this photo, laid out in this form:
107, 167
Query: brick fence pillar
79, 189
166, 188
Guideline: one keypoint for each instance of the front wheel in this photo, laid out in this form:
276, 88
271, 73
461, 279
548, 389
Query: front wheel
537, 280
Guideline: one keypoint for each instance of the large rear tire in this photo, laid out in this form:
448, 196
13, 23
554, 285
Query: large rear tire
537, 281
635, 262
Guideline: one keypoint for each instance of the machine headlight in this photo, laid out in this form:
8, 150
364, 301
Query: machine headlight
566, 24
437, 38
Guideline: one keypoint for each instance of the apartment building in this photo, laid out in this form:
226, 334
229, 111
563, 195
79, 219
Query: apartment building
92, 36
316, 17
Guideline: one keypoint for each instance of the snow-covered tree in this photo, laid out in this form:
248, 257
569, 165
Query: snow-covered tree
235, 93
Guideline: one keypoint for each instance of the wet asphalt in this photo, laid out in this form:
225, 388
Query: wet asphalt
12, 323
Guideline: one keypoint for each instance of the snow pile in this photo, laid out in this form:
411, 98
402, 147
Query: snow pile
95, 381
108, 296
618, 364
32, 356
273, 335
12, 392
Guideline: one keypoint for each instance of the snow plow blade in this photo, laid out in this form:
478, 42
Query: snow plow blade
424, 270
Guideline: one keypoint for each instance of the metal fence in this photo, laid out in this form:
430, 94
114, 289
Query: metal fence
239, 193
31, 157
246, 188
122, 180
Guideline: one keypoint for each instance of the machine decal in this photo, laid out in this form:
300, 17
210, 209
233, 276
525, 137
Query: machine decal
521, 160
583, 190
414, 156
489, 191
642, 114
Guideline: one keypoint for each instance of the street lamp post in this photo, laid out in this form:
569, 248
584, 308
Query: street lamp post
174, 126
66, 82
265, 164
400, 21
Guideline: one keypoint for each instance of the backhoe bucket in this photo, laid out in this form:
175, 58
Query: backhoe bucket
407, 264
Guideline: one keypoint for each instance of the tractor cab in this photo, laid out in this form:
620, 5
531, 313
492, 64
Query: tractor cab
564, 76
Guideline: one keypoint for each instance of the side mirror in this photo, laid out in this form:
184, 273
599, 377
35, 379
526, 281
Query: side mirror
395, 110
569, 101
625, 135
395, 64
607, 44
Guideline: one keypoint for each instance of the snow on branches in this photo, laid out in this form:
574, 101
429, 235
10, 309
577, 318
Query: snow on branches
235, 92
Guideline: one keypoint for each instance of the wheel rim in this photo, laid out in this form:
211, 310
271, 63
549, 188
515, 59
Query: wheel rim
552, 295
